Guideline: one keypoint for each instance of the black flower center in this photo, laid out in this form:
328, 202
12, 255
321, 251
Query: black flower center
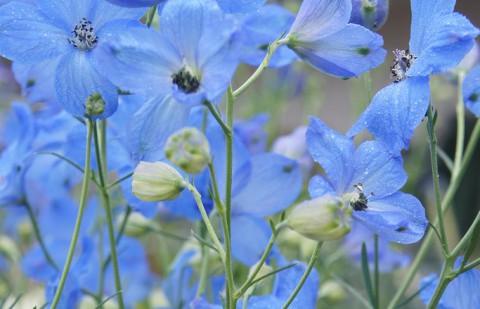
359, 203
84, 37
186, 81
403, 61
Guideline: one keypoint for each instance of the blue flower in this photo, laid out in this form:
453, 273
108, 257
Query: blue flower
191, 59
471, 91
66, 32
322, 36
462, 292
371, 14
368, 179
439, 39
135, 3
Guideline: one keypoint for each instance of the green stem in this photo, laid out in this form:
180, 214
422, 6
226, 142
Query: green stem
226, 130
266, 61
470, 265
206, 219
101, 152
113, 184
466, 239
460, 110
216, 193
445, 278
38, 235
447, 200
436, 183
313, 259
121, 231
78, 223
204, 268
376, 274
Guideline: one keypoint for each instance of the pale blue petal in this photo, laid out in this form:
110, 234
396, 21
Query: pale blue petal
135, 3
77, 79
317, 19
319, 186
287, 281
346, 53
263, 302
449, 39
240, 6
333, 151
471, 91
152, 124
395, 112
27, 35
250, 235
275, 182
137, 51
399, 218
378, 170
428, 286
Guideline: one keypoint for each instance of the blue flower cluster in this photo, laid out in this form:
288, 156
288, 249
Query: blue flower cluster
153, 80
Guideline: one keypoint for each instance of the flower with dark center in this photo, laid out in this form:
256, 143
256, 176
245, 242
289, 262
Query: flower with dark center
186, 81
402, 62
84, 36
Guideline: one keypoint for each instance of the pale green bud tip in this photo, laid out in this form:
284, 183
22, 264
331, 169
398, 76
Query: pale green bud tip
137, 225
188, 148
324, 218
332, 293
94, 105
154, 182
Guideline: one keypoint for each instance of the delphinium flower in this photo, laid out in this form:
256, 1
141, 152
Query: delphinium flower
252, 133
322, 37
439, 39
189, 60
260, 28
471, 91
365, 181
462, 292
66, 32
371, 14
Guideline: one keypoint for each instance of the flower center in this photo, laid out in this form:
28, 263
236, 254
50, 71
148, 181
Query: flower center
401, 64
186, 81
84, 37
357, 199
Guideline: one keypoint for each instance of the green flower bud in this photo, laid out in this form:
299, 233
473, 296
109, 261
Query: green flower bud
9, 249
94, 105
189, 149
324, 218
332, 293
137, 225
154, 182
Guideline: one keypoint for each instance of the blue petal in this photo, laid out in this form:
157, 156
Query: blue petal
288, 279
347, 53
399, 218
135, 3
333, 151
138, 52
471, 91
395, 112
250, 235
428, 286
378, 170
240, 6
77, 79
152, 124
319, 186
263, 302
27, 35
317, 19
447, 40
275, 182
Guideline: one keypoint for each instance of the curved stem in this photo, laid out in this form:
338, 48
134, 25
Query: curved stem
447, 200
310, 265
38, 235
204, 268
78, 223
101, 152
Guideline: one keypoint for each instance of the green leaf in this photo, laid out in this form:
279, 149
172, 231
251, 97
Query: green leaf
204, 242
366, 275
272, 273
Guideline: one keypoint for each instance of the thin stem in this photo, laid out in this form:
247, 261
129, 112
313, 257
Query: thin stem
460, 110
470, 265
446, 202
204, 268
216, 193
376, 274
443, 282
78, 223
128, 211
218, 118
206, 219
466, 239
113, 184
266, 61
353, 291
38, 235
313, 259
101, 152
436, 182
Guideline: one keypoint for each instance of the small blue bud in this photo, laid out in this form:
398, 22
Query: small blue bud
371, 14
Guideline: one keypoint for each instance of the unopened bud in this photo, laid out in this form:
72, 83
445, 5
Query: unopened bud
137, 225
324, 218
332, 293
371, 14
188, 148
94, 105
154, 182
9, 249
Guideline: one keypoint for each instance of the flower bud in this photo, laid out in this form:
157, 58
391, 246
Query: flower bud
9, 249
153, 182
332, 293
137, 225
371, 14
264, 270
94, 105
324, 218
188, 148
